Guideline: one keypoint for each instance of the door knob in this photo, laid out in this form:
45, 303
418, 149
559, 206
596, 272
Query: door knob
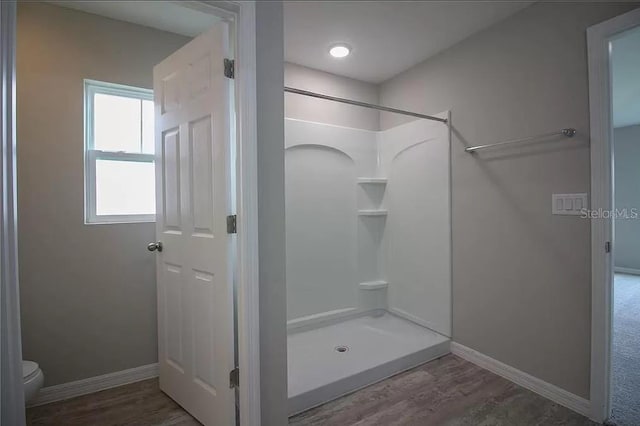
155, 246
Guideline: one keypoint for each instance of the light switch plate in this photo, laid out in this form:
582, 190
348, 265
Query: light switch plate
568, 204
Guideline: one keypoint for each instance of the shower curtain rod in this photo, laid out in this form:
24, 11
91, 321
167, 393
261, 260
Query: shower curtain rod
362, 104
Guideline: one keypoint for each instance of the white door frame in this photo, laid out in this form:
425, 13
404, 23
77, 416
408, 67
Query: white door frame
11, 384
598, 38
242, 14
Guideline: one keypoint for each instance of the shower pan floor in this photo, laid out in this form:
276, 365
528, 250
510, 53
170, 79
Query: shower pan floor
327, 362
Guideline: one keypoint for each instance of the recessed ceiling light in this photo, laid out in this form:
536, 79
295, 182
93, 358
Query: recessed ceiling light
339, 50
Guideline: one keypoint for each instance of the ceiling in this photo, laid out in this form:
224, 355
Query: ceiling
625, 63
162, 15
387, 37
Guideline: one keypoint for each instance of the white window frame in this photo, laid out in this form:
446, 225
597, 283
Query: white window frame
92, 155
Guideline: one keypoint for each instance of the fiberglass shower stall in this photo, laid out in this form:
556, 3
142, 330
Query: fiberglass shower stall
368, 234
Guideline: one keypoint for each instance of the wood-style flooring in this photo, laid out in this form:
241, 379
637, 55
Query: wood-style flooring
447, 391
140, 403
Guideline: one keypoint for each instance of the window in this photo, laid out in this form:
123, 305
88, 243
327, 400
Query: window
119, 153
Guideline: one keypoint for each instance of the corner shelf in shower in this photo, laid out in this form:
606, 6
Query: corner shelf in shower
372, 180
373, 285
372, 212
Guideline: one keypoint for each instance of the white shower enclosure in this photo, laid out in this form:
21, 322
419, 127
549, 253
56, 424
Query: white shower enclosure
368, 232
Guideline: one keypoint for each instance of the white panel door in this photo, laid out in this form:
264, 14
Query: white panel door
195, 297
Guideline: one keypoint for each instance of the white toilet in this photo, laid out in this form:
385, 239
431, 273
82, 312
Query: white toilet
33, 379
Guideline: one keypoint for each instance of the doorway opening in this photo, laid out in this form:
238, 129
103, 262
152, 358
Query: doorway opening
625, 342
108, 92
614, 85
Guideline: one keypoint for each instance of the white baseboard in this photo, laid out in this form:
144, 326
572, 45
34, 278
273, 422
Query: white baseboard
623, 270
94, 384
547, 390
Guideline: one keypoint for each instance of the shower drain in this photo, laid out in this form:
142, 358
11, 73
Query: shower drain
342, 349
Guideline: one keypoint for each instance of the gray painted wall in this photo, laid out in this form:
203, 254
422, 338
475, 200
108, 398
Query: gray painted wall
626, 142
88, 293
521, 277
271, 212
328, 112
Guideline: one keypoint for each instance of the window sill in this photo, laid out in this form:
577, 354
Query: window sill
119, 220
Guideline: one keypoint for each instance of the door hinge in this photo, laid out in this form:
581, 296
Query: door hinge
229, 68
232, 224
607, 247
234, 378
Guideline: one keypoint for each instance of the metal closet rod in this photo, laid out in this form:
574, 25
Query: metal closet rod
569, 132
361, 104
